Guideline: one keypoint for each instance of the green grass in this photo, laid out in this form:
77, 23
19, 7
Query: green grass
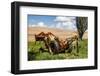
35, 54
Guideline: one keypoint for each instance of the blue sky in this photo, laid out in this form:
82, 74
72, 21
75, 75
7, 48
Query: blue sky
60, 22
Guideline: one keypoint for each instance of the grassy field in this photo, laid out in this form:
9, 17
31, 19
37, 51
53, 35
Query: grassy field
34, 52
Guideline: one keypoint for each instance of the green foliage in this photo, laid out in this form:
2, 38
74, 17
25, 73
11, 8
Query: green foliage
34, 52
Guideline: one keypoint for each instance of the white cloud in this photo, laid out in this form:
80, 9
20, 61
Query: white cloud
64, 19
68, 26
39, 24
58, 25
52, 26
60, 18
65, 23
32, 25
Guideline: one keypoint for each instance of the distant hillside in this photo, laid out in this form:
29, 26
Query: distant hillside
63, 34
